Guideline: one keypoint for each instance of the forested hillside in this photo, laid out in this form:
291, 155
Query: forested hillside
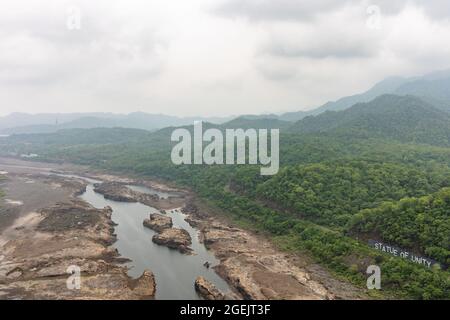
403, 118
330, 193
422, 223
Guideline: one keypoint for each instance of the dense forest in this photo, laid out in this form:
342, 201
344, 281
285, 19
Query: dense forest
379, 170
330, 193
403, 118
420, 222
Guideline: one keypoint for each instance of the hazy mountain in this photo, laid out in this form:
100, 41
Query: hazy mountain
82, 136
256, 123
293, 116
259, 116
436, 92
389, 85
433, 88
18, 119
46, 123
404, 118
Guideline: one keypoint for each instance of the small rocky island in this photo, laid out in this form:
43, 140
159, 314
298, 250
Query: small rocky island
119, 191
115, 191
158, 222
207, 290
174, 238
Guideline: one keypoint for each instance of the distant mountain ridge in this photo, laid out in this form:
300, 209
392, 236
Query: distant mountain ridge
256, 123
18, 123
403, 118
434, 88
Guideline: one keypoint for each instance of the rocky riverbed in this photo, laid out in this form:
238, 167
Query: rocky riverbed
41, 249
119, 191
158, 222
207, 290
48, 233
257, 270
174, 238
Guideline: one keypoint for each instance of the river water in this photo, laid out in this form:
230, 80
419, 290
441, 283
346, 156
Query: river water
174, 272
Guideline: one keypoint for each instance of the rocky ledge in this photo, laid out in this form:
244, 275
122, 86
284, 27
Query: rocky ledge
174, 238
207, 290
145, 285
119, 191
158, 222
115, 191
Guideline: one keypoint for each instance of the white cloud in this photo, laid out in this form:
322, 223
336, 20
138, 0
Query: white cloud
209, 56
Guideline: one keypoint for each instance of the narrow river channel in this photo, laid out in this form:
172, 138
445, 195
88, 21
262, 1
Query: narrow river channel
174, 272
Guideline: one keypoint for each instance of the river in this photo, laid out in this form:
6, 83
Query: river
174, 272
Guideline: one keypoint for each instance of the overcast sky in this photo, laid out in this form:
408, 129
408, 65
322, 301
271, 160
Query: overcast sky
210, 57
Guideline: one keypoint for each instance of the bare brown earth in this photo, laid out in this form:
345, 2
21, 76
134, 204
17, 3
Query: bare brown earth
47, 231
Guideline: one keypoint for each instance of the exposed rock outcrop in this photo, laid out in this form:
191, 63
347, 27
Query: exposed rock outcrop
66, 236
174, 238
158, 222
62, 250
115, 191
145, 285
119, 191
255, 268
207, 290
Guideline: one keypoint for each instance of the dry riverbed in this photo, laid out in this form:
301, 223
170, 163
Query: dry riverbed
48, 233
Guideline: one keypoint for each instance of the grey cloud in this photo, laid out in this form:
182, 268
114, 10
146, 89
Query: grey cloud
277, 10
437, 9
274, 73
342, 50
138, 53
297, 10
98, 49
